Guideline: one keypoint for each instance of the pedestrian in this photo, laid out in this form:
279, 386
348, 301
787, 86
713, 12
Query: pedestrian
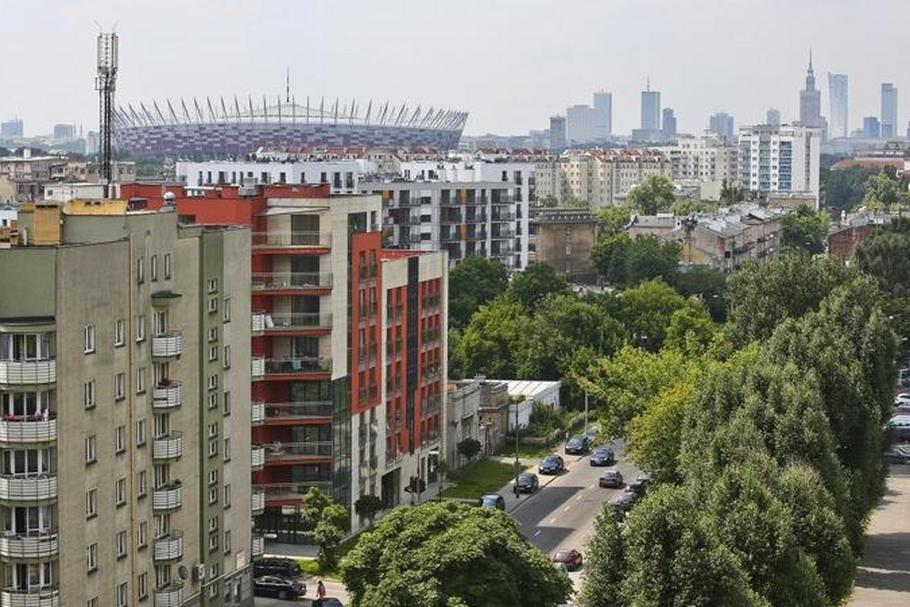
320, 594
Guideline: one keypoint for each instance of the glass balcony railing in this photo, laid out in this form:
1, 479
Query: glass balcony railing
276, 322
279, 281
290, 451
300, 410
278, 239
306, 364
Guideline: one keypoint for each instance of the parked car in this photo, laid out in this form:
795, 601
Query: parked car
602, 456
276, 566
570, 558
901, 425
901, 410
493, 501
331, 602
278, 587
902, 398
899, 454
625, 503
644, 478
552, 464
577, 445
637, 488
592, 432
528, 483
611, 479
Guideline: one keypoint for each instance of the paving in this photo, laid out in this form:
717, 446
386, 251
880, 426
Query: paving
883, 576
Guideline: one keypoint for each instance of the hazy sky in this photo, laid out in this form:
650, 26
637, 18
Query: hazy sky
510, 63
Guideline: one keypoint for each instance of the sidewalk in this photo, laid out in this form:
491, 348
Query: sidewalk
883, 577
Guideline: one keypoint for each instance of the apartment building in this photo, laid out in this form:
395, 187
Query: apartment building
25, 177
124, 383
780, 158
564, 239
348, 343
342, 175
703, 159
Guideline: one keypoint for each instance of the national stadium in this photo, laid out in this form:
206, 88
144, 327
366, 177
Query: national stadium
220, 129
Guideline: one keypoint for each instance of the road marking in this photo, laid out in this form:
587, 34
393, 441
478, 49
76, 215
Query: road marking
536, 533
566, 509
579, 497
552, 520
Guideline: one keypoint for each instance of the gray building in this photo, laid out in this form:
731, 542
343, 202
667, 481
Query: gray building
889, 111
837, 94
650, 109
603, 114
772, 117
810, 101
463, 417
668, 128
581, 124
721, 124
11, 128
125, 387
557, 133
871, 128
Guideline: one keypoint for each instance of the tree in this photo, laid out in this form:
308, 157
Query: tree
804, 229
731, 193
442, 469
529, 287
582, 322
647, 310
490, 342
312, 505
368, 506
443, 554
614, 219
574, 203
469, 448
654, 434
604, 564
844, 189
885, 255
472, 283
690, 206
881, 191
705, 283
691, 331
625, 261
653, 194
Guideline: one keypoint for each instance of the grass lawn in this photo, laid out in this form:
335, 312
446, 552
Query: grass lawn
477, 479
527, 451
314, 568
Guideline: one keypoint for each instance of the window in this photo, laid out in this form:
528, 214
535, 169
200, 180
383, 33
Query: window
213, 304
226, 310
213, 477
142, 586
213, 523
213, 400
213, 495
162, 575
213, 333
91, 503
162, 426
92, 602
227, 449
140, 328
213, 382
227, 403
140, 380
213, 430
120, 439
88, 339
141, 484
119, 386
167, 266
140, 270
140, 432
213, 541
153, 268
120, 544
213, 449
88, 394
142, 532
213, 353
123, 595
162, 475
213, 285
91, 558
227, 541
119, 333
90, 455
120, 491
227, 357
227, 495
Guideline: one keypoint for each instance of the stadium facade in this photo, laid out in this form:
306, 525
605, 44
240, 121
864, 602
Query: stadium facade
222, 129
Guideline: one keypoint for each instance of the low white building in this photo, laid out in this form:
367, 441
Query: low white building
342, 174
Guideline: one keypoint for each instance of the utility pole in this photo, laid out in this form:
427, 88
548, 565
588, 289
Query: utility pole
106, 84
517, 464
586, 411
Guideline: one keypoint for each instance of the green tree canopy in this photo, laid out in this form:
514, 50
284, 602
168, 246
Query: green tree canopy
804, 229
604, 564
625, 261
691, 330
472, 283
446, 554
653, 194
844, 189
489, 344
705, 283
881, 191
613, 219
530, 286
647, 311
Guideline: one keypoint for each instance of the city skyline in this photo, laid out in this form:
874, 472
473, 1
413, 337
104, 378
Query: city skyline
234, 52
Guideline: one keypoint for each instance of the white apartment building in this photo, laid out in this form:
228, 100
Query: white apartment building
776, 159
581, 124
342, 174
703, 159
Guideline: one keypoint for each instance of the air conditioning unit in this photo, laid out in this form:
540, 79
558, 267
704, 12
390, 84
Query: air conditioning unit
199, 572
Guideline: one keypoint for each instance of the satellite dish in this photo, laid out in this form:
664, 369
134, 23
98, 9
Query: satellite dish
182, 572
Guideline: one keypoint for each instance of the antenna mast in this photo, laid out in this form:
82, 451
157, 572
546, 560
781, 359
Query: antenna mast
106, 84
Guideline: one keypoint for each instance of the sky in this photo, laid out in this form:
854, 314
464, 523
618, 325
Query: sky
509, 63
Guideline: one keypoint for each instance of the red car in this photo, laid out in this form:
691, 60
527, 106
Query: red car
570, 558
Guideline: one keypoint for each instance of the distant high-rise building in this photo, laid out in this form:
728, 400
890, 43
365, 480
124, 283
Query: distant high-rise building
837, 94
721, 124
581, 124
650, 109
64, 132
557, 133
889, 110
668, 128
810, 101
91, 143
772, 117
603, 114
871, 128
11, 128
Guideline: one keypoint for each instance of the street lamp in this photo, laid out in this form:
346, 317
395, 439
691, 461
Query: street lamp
516, 465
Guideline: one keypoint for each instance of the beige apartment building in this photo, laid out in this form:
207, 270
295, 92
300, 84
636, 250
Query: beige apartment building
125, 388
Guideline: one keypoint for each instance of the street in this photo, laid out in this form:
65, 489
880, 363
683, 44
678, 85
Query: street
332, 590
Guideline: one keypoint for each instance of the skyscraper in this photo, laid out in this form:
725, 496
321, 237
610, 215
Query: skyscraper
650, 109
810, 101
669, 124
871, 128
889, 110
581, 121
11, 128
721, 124
557, 133
772, 117
837, 94
603, 114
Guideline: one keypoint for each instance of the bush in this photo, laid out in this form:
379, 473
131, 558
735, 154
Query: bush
544, 420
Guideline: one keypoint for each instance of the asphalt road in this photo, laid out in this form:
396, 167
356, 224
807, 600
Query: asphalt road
332, 589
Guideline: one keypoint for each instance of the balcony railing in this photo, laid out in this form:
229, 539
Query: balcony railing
277, 412
257, 413
168, 497
38, 545
309, 364
169, 596
288, 491
169, 547
257, 500
28, 488
168, 447
257, 545
503, 234
290, 321
288, 451
167, 395
28, 371
501, 217
168, 345
33, 597
257, 366
302, 240
265, 281
20, 430
257, 457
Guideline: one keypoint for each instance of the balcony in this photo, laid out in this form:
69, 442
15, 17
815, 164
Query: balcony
293, 241
278, 414
290, 453
257, 367
168, 497
25, 430
291, 492
170, 595
39, 545
257, 457
290, 323
36, 597
28, 489
167, 345
168, 447
167, 395
169, 547
257, 546
27, 372
291, 282
290, 368
257, 501
503, 216
502, 234
257, 413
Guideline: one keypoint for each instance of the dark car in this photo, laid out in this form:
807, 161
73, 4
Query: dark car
899, 454
611, 479
570, 558
602, 456
493, 501
276, 566
577, 445
278, 587
625, 503
552, 464
637, 487
331, 602
592, 432
528, 483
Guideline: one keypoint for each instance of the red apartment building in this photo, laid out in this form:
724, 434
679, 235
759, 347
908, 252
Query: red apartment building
348, 346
